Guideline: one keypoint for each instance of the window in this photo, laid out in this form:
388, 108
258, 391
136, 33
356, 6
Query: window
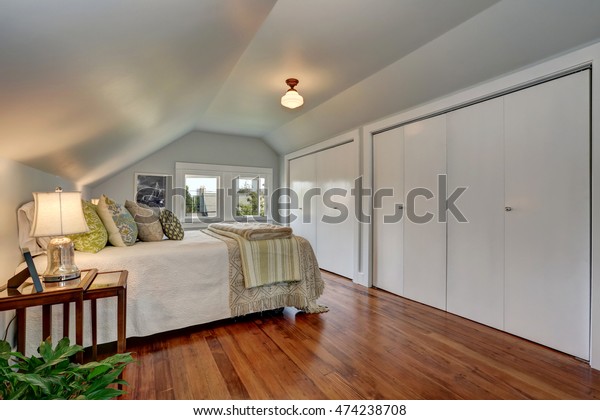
201, 197
212, 193
250, 197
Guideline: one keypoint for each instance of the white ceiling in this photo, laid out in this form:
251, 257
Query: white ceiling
90, 87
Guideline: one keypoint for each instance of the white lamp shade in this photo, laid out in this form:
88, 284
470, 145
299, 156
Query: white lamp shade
292, 99
58, 214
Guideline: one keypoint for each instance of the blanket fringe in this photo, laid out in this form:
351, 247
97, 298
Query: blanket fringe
315, 308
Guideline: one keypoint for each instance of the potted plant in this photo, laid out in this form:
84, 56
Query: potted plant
52, 374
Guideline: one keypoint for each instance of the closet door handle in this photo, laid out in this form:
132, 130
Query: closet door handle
508, 208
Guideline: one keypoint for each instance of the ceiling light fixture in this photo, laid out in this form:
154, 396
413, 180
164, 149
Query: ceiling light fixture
292, 98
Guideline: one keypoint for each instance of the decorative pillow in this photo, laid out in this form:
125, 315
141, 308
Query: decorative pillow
147, 220
122, 229
95, 239
171, 225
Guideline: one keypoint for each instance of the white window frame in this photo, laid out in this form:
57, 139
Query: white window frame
226, 173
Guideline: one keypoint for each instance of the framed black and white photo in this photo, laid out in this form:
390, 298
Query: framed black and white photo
153, 190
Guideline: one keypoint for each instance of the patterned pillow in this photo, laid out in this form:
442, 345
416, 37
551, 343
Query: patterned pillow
146, 218
171, 225
96, 238
122, 229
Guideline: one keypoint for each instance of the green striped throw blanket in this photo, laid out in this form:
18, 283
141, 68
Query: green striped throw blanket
266, 261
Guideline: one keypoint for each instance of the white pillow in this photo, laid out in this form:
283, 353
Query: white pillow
25, 215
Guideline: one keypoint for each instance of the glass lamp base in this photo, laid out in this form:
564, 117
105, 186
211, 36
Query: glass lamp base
61, 261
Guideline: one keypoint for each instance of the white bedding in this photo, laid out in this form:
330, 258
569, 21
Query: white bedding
193, 288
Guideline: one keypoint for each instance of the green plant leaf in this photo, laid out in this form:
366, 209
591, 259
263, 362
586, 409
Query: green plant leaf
99, 370
45, 348
119, 358
4, 349
104, 394
54, 376
18, 393
103, 381
34, 381
61, 354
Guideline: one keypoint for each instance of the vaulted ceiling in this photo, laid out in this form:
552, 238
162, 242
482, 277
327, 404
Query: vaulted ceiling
90, 87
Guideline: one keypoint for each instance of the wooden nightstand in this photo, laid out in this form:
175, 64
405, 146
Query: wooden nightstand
25, 296
109, 284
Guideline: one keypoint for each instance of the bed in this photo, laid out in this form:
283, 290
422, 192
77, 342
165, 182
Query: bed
176, 284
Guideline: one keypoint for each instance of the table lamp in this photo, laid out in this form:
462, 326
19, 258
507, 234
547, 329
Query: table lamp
58, 214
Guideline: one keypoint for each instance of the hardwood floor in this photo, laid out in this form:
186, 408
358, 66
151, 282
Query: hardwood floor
370, 345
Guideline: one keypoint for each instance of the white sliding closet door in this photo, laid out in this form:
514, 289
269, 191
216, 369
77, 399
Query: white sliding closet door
424, 243
303, 178
476, 248
388, 173
547, 284
336, 169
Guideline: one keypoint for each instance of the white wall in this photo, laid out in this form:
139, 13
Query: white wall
194, 147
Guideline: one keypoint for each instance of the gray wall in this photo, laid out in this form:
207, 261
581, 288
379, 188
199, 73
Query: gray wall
194, 147
17, 182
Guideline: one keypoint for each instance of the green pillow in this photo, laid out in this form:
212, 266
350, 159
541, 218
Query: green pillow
171, 225
122, 229
94, 240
